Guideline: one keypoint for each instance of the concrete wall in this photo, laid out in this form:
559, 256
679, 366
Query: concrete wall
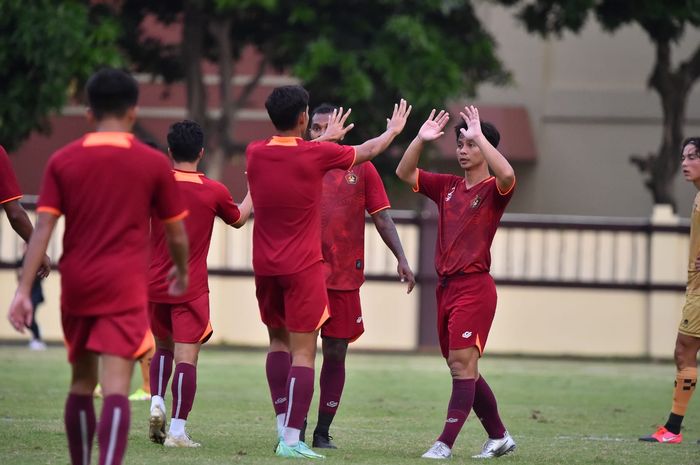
591, 109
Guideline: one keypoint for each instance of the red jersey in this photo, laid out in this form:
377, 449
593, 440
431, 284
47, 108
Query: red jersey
467, 220
205, 199
107, 184
285, 176
346, 197
9, 189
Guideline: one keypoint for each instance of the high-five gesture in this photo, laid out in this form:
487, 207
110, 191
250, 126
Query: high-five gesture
471, 117
433, 126
398, 119
336, 128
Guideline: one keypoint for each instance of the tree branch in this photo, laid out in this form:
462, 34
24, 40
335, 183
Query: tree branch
690, 68
661, 74
251, 85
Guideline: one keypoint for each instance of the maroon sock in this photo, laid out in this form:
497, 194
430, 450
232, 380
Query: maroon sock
331, 383
160, 370
277, 368
113, 430
300, 392
184, 388
79, 418
458, 409
486, 408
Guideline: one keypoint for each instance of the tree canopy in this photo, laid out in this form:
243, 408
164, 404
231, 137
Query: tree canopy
47, 48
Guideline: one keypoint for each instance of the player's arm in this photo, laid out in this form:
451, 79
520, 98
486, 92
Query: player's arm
245, 208
20, 313
387, 230
20, 222
433, 128
178, 246
394, 125
505, 176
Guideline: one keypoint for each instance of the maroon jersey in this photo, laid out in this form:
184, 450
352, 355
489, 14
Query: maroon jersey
285, 176
467, 221
346, 197
9, 189
107, 184
205, 199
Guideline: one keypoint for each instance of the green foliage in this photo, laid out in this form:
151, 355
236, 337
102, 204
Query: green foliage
47, 48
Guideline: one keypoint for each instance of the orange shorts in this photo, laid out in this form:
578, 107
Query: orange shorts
121, 334
297, 302
466, 305
346, 316
186, 323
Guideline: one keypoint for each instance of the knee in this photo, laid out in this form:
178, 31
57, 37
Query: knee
684, 356
83, 385
335, 349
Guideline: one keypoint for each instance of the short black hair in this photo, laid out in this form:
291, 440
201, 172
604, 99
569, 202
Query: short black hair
284, 105
691, 140
185, 140
323, 109
489, 130
111, 92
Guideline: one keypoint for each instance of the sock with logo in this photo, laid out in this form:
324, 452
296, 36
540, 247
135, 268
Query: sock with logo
331, 383
458, 409
277, 368
486, 408
686, 380
160, 368
113, 429
300, 388
79, 418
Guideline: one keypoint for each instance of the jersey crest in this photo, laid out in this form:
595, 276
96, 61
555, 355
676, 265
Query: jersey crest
351, 177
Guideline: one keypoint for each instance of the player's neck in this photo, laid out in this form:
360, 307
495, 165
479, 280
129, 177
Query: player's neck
113, 125
697, 184
185, 166
474, 176
290, 133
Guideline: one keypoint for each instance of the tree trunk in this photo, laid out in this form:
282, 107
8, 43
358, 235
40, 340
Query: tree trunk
192, 53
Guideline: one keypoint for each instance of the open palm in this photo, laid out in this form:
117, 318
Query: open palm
471, 117
434, 125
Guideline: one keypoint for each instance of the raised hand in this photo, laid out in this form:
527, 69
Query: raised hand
336, 129
433, 126
471, 117
20, 313
398, 119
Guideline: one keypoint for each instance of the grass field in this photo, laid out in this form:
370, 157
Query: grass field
559, 412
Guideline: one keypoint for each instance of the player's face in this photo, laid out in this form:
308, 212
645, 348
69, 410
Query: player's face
690, 163
319, 123
468, 153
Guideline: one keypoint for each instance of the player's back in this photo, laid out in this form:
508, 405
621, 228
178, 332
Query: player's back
106, 185
205, 199
285, 176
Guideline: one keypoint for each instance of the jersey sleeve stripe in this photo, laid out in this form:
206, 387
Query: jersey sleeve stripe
11, 199
179, 217
354, 157
51, 210
380, 209
508, 191
416, 188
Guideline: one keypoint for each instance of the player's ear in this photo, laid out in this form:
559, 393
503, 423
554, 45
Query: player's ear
201, 154
130, 115
90, 116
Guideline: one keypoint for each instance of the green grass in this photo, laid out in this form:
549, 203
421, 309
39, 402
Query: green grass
559, 412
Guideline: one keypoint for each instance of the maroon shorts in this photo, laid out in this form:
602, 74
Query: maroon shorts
121, 334
346, 316
466, 306
186, 322
297, 302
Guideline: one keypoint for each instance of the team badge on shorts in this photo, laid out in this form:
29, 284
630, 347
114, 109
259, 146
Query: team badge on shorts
351, 178
476, 202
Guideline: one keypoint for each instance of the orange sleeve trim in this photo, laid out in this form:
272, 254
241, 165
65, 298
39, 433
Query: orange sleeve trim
508, 191
326, 315
354, 157
179, 217
380, 209
11, 199
416, 188
51, 210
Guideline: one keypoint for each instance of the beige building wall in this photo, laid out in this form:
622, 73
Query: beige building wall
590, 109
